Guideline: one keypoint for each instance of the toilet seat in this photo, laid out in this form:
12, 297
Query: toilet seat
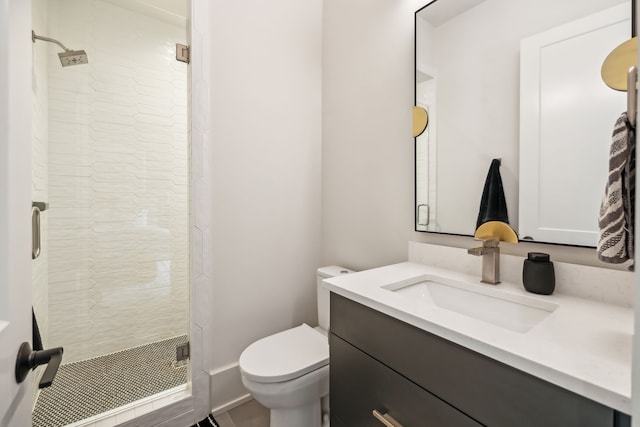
286, 355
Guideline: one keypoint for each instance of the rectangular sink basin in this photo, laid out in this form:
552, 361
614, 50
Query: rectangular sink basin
518, 313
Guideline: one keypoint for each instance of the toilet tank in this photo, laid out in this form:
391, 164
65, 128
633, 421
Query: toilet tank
323, 294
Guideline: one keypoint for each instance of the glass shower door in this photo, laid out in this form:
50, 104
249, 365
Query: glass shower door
111, 159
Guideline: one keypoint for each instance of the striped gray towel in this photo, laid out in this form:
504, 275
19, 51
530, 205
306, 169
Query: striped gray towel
617, 211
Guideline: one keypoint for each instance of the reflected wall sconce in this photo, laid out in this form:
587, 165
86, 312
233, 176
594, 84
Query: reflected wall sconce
420, 121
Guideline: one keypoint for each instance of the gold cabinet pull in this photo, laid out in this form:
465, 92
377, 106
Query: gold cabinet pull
386, 419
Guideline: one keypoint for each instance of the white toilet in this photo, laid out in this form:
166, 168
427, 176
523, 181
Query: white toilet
288, 372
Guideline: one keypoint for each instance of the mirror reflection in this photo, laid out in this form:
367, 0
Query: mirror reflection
519, 81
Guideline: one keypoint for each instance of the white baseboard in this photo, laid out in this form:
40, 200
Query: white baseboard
226, 390
230, 405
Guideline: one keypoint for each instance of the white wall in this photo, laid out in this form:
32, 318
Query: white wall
118, 180
265, 160
367, 171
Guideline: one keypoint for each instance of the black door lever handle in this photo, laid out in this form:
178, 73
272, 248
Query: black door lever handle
29, 360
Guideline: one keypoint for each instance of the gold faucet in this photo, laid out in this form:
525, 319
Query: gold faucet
490, 253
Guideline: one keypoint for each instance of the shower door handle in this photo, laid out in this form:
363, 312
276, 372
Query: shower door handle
28, 360
36, 209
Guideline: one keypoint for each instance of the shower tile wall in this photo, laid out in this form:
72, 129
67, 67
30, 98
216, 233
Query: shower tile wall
118, 181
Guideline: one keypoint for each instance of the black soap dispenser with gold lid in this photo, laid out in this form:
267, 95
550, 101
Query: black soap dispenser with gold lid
538, 275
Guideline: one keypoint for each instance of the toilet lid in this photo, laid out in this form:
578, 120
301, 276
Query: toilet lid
285, 355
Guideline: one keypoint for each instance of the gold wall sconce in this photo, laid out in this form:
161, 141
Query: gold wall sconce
420, 121
616, 66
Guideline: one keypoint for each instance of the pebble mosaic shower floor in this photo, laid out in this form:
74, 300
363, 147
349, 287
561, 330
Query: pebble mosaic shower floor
89, 387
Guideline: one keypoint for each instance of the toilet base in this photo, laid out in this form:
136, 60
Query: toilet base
303, 416
296, 402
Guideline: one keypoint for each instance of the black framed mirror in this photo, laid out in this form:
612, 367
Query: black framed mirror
519, 81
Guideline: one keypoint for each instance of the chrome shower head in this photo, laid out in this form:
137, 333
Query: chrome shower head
73, 57
68, 57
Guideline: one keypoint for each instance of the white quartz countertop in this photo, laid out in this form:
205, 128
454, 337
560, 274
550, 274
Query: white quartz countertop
583, 346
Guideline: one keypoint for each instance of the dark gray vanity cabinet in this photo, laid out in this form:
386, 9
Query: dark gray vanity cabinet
381, 363
368, 384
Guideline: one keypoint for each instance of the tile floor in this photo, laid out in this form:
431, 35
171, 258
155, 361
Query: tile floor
94, 386
250, 414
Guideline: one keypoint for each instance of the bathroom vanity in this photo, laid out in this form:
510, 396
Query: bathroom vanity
419, 379
417, 363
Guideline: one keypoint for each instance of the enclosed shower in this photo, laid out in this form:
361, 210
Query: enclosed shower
111, 196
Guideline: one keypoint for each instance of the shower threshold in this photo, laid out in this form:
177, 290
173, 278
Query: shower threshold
110, 384
136, 409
